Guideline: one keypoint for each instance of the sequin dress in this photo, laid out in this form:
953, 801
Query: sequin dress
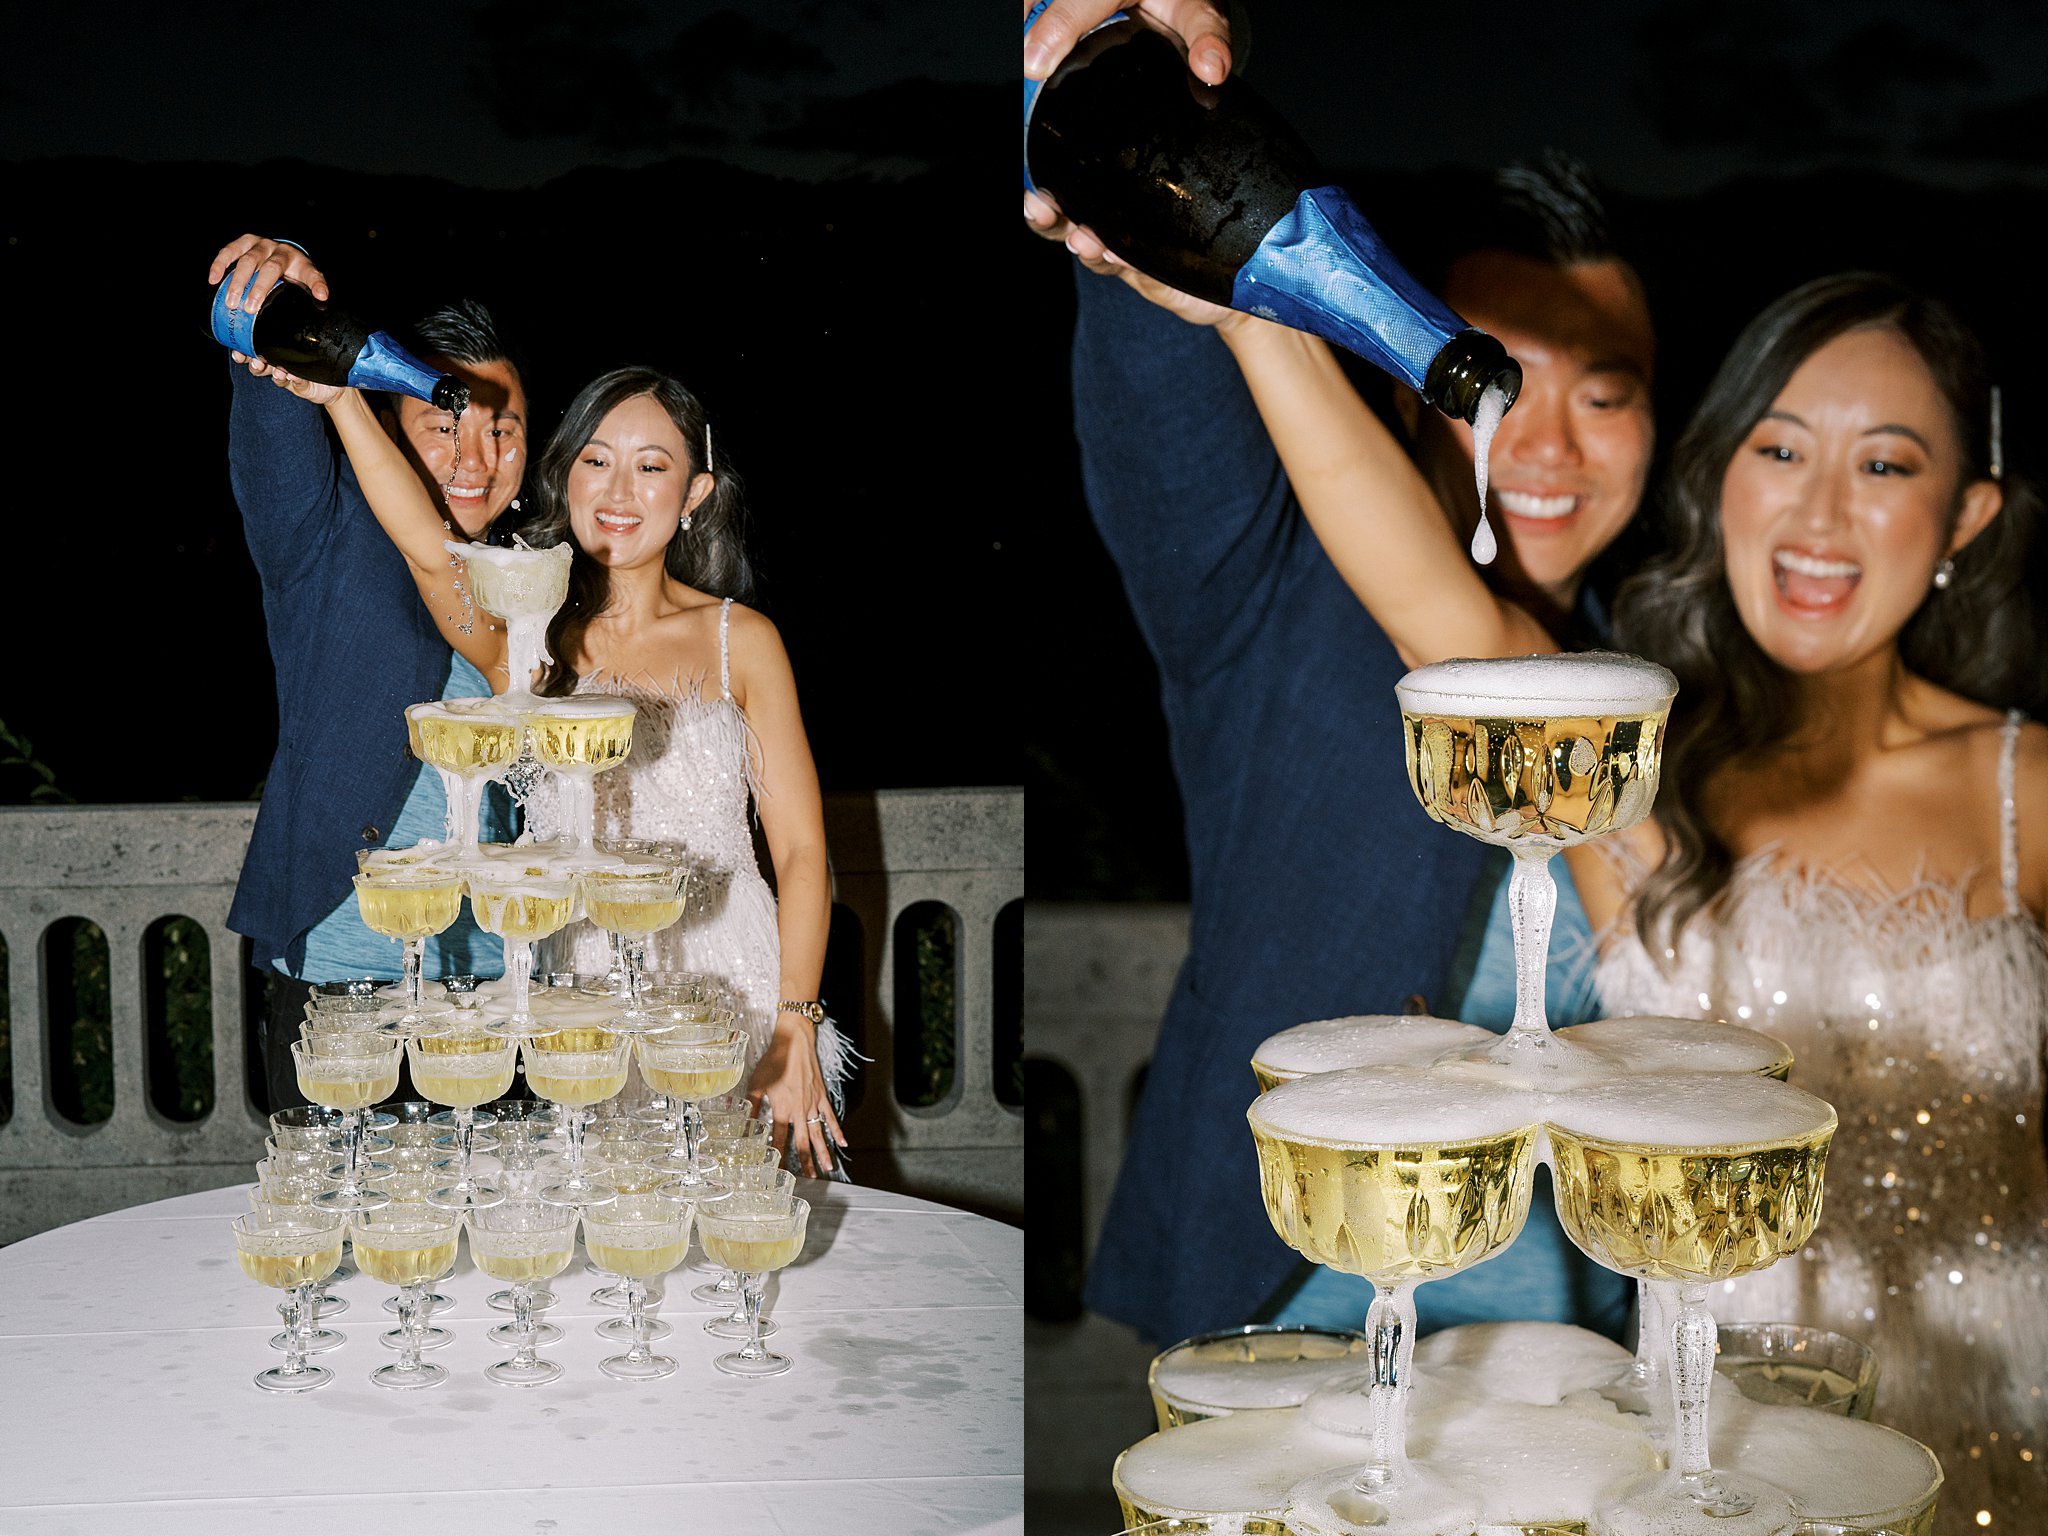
689, 778
1926, 1030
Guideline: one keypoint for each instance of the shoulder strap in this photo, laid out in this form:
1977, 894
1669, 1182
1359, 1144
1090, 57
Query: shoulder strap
726, 687
2008, 812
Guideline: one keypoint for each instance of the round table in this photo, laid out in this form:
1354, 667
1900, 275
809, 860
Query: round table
128, 1343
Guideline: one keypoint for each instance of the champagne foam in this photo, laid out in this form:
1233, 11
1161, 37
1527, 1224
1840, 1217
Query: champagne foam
516, 583
1537, 1363
1679, 1045
1839, 1469
1365, 1040
1396, 1106
1684, 1110
585, 706
1596, 683
1216, 1376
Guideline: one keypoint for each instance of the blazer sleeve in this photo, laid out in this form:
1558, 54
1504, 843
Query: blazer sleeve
285, 468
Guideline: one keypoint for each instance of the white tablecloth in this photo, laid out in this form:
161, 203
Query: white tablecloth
128, 1343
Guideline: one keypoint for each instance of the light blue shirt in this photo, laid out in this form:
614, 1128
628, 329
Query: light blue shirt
341, 947
1541, 1276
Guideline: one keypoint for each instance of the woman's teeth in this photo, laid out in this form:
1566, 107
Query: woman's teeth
1811, 565
612, 522
1522, 504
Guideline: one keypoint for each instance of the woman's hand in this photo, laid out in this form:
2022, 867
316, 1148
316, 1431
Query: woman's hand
1042, 214
790, 1082
305, 389
252, 266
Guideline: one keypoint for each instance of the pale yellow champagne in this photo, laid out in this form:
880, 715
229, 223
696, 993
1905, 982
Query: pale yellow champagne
1556, 748
521, 1268
521, 915
634, 1263
698, 1083
1705, 1214
1788, 1383
750, 1255
634, 916
577, 1038
409, 909
351, 1092
402, 1265
1397, 1212
576, 1092
593, 741
462, 1071
463, 743
285, 1270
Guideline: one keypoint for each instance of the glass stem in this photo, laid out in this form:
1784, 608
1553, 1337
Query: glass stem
409, 1324
351, 1137
465, 1135
1532, 903
1653, 1333
1692, 1382
415, 952
753, 1289
574, 1119
522, 1323
521, 958
298, 1302
620, 987
1390, 1326
688, 1125
636, 1312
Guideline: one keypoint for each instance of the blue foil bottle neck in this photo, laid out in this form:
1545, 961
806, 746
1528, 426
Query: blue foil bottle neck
1323, 269
384, 364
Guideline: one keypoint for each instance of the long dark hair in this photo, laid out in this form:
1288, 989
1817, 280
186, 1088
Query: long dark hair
711, 556
1976, 637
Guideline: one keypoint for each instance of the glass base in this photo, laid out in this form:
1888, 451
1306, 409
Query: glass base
478, 1197
501, 1301
736, 1327
1537, 1058
620, 1329
613, 1296
513, 1373
715, 1292
352, 1200
481, 1120
278, 1379
329, 1305
317, 1342
400, 1379
506, 1333
1721, 1504
626, 1368
433, 1301
426, 1338
1417, 1501
581, 1194
739, 1363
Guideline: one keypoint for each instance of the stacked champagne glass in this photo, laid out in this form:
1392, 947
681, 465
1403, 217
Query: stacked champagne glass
1401, 1150
401, 1182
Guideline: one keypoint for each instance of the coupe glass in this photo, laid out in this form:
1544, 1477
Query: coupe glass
525, 1242
575, 1068
768, 1188
1533, 754
753, 1235
1790, 1366
1356, 1174
302, 1328
580, 737
408, 1246
522, 908
410, 904
468, 742
292, 1250
348, 1072
638, 1237
462, 1070
688, 1065
1261, 1365
1651, 1196
632, 905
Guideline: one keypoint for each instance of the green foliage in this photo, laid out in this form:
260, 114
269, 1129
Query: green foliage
187, 980
937, 1008
26, 779
91, 1075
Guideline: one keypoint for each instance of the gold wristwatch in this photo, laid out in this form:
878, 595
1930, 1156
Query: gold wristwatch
814, 1011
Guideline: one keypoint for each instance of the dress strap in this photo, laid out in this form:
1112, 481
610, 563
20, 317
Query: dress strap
2008, 812
726, 693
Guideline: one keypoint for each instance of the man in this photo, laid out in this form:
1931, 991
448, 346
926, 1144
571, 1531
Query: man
352, 645
1318, 889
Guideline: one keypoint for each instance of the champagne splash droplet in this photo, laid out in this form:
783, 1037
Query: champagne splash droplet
1493, 405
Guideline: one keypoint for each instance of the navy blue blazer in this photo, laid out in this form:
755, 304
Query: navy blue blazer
352, 645
1319, 887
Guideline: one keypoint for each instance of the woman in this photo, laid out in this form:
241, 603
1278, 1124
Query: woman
1851, 845
631, 478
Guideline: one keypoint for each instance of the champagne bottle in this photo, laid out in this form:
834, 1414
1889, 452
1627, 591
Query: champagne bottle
1207, 189
326, 345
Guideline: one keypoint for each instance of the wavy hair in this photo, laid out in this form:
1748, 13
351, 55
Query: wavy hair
711, 556
1977, 637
